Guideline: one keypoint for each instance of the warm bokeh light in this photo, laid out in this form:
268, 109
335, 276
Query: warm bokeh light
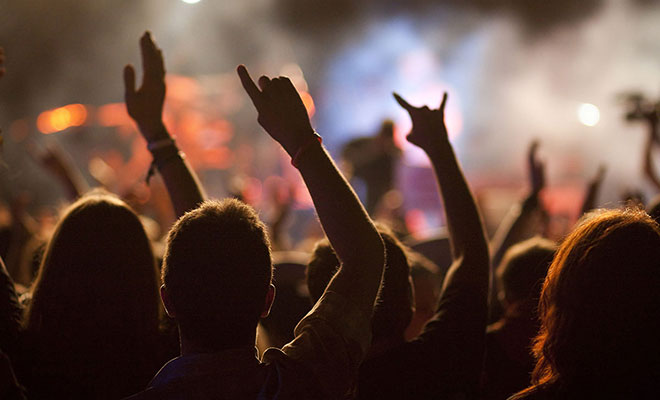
61, 118
588, 114
308, 102
113, 114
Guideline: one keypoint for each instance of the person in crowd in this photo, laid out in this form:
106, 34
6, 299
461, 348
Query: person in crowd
93, 319
600, 312
445, 359
394, 306
92, 328
217, 281
373, 159
509, 362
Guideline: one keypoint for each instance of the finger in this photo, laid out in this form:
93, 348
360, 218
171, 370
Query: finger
248, 84
129, 80
533, 147
444, 102
283, 84
403, 103
153, 65
264, 82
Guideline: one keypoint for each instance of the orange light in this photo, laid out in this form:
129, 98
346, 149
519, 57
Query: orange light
308, 102
61, 118
113, 114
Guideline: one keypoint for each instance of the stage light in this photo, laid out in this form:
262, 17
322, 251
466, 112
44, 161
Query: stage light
61, 118
588, 114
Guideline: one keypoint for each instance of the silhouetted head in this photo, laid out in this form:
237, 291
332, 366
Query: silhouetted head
217, 274
600, 305
98, 283
393, 310
523, 270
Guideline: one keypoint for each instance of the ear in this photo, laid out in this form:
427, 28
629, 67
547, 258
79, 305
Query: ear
270, 297
167, 302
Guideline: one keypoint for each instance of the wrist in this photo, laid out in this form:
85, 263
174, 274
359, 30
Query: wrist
297, 141
311, 141
439, 148
153, 131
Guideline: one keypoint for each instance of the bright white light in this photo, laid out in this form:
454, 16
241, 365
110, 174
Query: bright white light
191, 1
588, 114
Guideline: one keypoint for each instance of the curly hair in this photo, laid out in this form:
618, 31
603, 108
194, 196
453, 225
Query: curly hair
600, 303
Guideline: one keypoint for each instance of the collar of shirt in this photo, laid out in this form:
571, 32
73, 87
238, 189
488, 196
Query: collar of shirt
204, 363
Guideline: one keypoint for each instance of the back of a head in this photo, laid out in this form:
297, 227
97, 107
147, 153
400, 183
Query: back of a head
98, 275
217, 271
393, 309
94, 314
600, 306
523, 270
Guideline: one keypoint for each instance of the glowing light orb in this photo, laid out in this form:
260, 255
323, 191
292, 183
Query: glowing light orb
588, 114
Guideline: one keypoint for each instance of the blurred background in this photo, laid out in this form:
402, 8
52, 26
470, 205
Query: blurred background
515, 71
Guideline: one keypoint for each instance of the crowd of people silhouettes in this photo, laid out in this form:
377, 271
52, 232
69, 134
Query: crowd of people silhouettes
513, 317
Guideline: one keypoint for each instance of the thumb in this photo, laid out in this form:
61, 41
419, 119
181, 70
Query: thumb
129, 80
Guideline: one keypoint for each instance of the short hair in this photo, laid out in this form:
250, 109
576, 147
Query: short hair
393, 307
600, 304
217, 270
524, 267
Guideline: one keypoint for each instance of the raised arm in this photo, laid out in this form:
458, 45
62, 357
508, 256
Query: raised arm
145, 106
56, 160
333, 338
463, 221
593, 190
348, 227
450, 348
651, 119
515, 225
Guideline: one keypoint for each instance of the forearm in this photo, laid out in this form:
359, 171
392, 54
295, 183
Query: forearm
649, 169
74, 183
464, 224
348, 227
182, 184
513, 227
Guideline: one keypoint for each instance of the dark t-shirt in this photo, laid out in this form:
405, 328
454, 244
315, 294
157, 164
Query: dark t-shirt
320, 363
445, 360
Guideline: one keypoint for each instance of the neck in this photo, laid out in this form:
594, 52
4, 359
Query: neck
189, 347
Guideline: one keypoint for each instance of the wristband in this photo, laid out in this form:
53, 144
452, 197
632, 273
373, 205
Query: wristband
295, 160
160, 143
159, 162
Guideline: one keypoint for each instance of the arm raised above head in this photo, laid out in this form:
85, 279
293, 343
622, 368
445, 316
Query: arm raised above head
451, 345
334, 337
347, 225
145, 106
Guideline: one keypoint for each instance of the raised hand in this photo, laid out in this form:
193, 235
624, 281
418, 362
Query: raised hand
2, 60
281, 111
592, 190
428, 128
145, 105
536, 169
